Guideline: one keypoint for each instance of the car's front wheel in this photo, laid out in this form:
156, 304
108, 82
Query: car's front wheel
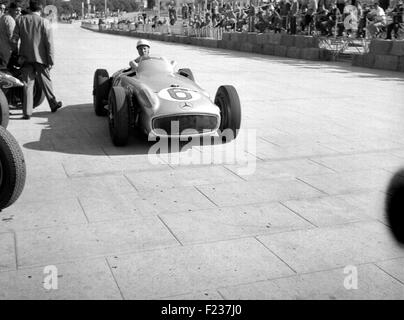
4, 110
12, 169
118, 116
230, 111
101, 86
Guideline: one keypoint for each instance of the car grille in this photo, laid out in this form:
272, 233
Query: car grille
184, 124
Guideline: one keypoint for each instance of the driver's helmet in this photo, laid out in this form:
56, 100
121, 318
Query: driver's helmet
143, 42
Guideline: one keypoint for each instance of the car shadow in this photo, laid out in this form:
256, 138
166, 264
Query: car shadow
75, 129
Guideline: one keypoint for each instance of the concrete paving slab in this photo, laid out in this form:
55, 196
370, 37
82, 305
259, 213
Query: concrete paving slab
115, 207
173, 200
333, 210
372, 284
175, 271
365, 146
356, 162
395, 268
7, 251
88, 279
99, 186
332, 247
267, 151
41, 190
74, 242
181, 177
258, 191
339, 183
285, 168
34, 215
232, 222
202, 295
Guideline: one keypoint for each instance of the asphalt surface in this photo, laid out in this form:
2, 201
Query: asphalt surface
297, 213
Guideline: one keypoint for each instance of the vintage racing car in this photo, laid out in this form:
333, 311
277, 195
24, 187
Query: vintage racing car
163, 102
12, 163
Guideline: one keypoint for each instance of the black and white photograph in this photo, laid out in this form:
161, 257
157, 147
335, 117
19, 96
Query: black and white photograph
215, 151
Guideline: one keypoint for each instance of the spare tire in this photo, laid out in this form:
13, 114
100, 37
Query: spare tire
4, 112
12, 169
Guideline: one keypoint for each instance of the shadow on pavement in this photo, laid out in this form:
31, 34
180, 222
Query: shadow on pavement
75, 129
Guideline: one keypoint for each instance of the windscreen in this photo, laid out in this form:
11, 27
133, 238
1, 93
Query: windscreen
154, 65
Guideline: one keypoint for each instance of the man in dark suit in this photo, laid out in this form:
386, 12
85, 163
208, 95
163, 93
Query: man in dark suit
37, 56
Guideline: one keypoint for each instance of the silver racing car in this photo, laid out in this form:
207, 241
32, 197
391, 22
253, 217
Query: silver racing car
163, 102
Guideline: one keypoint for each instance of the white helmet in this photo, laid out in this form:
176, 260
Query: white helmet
143, 42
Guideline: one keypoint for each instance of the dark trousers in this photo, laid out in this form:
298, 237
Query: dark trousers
293, 25
392, 27
31, 72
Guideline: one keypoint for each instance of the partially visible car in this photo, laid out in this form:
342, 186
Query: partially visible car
12, 163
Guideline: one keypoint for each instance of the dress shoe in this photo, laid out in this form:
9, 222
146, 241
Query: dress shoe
26, 117
56, 106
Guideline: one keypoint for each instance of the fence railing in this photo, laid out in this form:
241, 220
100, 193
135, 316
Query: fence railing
177, 29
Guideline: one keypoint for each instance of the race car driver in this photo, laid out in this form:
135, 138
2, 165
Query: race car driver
143, 47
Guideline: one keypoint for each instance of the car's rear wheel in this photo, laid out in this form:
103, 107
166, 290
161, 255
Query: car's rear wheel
12, 169
186, 72
4, 112
230, 111
101, 86
118, 116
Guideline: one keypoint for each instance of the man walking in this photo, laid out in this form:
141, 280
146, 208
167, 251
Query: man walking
37, 56
7, 25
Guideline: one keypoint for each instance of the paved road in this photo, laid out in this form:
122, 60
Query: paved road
302, 200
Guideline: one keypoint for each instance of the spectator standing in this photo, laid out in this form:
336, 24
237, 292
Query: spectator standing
294, 10
37, 56
191, 9
396, 11
184, 11
172, 13
334, 17
7, 25
251, 18
283, 12
215, 11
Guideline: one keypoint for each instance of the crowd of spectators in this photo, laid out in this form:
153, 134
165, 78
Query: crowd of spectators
352, 18
320, 17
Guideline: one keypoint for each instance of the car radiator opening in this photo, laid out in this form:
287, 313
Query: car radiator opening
184, 124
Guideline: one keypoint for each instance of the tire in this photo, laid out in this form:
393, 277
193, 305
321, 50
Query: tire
187, 73
100, 91
118, 116
4, 112
394, 205
39, 94
12, 169
230, 110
